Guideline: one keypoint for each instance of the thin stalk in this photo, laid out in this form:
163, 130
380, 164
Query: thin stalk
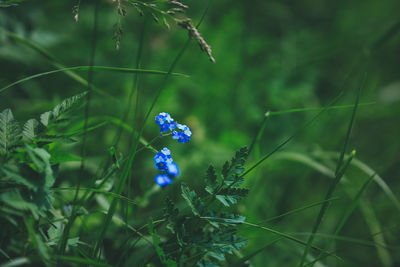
64, 237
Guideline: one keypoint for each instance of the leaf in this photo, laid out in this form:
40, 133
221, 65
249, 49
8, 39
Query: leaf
171, 213
227, 219
231, 172
58, 156
73, 242
54, 233
159, 250
43, 199
30, 129
211, 180
10, 132
41, 160
13, 174
45, 118
67, 104
193, 201
37, 242
207, 263
231, 195
16, 201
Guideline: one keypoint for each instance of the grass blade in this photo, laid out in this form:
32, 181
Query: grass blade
296, 110
291, 137
283, 235
87, 68
243, 260
346, 215
339, 172
299, 209
131, 201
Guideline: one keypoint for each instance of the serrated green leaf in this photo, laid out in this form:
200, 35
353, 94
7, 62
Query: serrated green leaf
193, 200
13, 174
171, 213
67, 104
41, 160
30, 129
225, 169
64, 107
10, 131
45, 118
211, 180
43, 199
159, 250
227, 219
231, 195
231, 172
16, 201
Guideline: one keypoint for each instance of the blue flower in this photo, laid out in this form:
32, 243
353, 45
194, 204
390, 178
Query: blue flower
172, 125
172, 169
164, 120
163, 180
160, 160
160, 120
181, 136
169, 169
180, 132
167, 153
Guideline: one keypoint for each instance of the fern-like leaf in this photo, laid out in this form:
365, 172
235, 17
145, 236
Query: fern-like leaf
10, 132
211, 180
231, 195
171, 214
64, 107
67, 105
193, 201
30, 129
231, 171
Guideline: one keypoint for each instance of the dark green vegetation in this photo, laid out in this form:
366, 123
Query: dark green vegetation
312, 88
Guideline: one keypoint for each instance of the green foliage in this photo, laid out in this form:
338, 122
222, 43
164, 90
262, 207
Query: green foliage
9, 131
226, 188
280, 59
204, 236
27, 174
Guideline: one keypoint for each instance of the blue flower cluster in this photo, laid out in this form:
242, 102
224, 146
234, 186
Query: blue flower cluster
180, 132
169, 169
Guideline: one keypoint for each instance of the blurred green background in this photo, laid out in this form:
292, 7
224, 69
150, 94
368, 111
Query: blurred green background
270, 56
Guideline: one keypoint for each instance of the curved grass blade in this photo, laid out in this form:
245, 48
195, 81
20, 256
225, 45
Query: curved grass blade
330, 173
346, 215
285, 236
103, 192
339, 172
87, 68
365, 208
291, 137
299, 209
43, 52
243, 260
379, 180
296, 110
